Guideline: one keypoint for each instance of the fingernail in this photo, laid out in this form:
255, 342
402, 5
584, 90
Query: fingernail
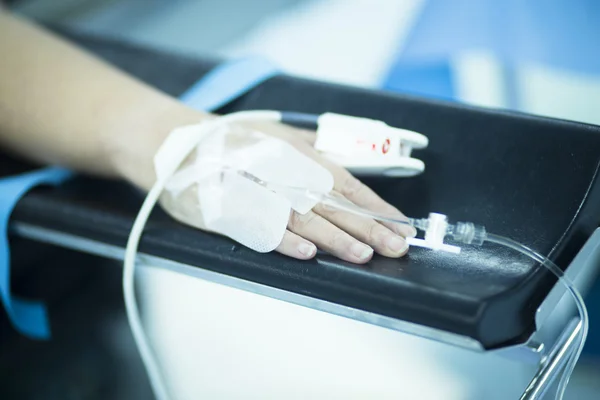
405, 230
396, 244
307, 250
412, 231
361, 251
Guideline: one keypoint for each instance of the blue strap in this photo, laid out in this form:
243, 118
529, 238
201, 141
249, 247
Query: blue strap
217, 88
228, 82
28, 317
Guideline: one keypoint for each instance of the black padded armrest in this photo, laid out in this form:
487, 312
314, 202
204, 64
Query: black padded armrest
529, 178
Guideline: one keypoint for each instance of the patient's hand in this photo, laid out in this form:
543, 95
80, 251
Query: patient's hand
347, 236
116, 126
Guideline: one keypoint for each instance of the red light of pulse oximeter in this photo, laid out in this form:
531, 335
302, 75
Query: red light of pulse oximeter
386, 146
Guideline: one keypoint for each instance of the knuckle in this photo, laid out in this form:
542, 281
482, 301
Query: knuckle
337, 239
300, 221
295, 221
328, 211
372, 231
351, 186
309, 218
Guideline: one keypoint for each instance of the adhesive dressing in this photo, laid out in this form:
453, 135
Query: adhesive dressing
207, 192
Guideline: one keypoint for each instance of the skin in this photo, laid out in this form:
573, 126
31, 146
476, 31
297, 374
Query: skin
60, 105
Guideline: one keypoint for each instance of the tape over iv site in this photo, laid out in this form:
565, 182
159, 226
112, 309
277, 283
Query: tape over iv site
209, 192
243, 184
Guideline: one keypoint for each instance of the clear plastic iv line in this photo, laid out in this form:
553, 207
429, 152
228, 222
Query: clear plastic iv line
465, 233
155, 375
468, 233
337, 202
578, 299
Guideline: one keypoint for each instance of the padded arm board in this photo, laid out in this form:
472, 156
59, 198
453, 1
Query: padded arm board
532, 179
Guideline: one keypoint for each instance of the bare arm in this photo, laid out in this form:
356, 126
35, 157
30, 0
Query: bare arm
60, 105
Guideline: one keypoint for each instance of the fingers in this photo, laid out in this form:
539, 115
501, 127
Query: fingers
295, 246
356, 191
366, 230
345, 235
361, 195
330, 238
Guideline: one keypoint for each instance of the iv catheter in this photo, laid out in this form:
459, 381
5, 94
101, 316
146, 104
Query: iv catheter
436, 229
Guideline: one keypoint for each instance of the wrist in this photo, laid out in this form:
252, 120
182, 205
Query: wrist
132, 148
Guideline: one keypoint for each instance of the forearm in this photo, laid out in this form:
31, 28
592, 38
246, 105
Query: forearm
59, 105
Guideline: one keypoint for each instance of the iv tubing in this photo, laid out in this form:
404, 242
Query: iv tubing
514, 245
345, 205
340, 203
576, 353
148, 358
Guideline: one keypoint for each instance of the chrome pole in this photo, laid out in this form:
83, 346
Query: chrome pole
553, 364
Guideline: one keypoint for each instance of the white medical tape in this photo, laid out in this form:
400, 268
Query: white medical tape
231, 204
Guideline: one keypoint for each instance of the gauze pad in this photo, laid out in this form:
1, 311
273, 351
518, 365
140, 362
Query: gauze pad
208, 193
